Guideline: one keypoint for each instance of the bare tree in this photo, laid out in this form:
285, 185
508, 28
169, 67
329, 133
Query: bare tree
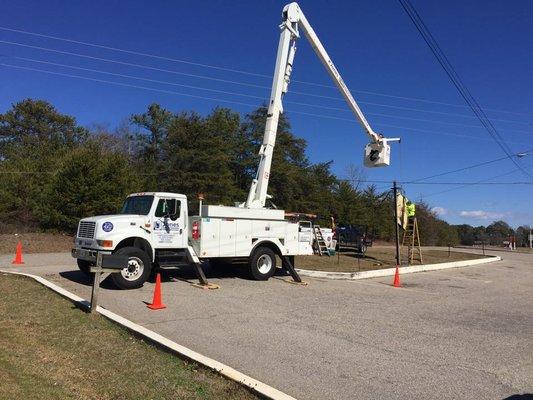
122, 139
355, 176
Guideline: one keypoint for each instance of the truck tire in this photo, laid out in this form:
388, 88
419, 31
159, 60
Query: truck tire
137, 272
262, 264
84, 266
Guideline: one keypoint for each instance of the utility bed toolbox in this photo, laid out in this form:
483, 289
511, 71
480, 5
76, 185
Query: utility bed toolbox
235, 237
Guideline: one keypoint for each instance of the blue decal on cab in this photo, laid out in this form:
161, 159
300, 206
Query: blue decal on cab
107, 226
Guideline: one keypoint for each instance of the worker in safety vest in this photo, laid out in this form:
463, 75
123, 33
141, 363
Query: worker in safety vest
411, 210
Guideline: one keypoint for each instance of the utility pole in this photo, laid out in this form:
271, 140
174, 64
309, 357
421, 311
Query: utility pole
395, 191
530, 238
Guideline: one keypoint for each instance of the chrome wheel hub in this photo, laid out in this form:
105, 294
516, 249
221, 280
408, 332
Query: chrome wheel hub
134, 269
264, 264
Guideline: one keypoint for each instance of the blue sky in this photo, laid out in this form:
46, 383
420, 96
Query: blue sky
373, 44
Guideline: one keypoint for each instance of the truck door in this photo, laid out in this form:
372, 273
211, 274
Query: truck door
169, 224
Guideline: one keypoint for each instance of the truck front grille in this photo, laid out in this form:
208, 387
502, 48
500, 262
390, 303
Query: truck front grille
86, 229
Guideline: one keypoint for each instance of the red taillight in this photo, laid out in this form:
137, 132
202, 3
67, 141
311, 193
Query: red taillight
195, 232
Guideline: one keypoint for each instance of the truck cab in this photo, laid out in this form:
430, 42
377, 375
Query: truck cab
148, 223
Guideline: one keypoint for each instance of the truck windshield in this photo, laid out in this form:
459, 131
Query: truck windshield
139, 205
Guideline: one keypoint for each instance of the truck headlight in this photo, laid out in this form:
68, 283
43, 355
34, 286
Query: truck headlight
105, 243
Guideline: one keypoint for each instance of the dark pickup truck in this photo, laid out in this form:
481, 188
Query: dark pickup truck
355, 237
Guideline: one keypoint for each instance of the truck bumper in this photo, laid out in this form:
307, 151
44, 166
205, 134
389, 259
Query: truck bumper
86, 254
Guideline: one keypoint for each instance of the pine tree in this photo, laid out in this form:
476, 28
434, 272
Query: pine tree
34, 137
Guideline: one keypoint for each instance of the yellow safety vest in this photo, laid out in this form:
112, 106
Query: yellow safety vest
411, 210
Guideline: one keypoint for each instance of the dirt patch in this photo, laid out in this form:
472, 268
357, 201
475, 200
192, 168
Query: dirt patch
36, 242
52, 350
375, 258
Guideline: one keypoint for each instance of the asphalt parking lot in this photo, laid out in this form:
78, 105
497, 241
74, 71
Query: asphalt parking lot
459, 333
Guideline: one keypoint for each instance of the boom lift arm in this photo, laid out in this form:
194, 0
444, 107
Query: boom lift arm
377, 152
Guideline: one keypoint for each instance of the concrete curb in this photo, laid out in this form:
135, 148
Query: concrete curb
390, 271
253, 384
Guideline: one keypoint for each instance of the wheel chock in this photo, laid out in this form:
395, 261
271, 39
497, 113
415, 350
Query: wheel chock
302, 283
209, 286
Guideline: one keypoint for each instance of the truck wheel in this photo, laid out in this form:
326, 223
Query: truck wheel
84, 266
262, 264
137, 271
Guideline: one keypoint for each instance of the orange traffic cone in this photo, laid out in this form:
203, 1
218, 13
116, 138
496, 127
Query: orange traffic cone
18, 255
156, 302
397, 278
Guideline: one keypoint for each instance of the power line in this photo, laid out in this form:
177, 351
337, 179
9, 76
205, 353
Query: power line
233, 70
449, 70
148, 67
469, 167
137, 53
138, 78
127, 85
467, 183
351, 180
429, 101
231, 93
400, 127
132, 64
143, 66
227, 92
464, 184
481, 182
427, 111
457, 81
235, 102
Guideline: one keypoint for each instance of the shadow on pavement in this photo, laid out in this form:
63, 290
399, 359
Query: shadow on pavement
220, 271
81, 278
184, 273
188, 273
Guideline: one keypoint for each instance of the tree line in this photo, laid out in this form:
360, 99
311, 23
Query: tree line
54, 172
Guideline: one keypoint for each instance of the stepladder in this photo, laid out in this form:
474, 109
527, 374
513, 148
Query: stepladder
321, 248
411, 239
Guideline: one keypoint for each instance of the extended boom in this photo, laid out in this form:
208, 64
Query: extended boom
377, 152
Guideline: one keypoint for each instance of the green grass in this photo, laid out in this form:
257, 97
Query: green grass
49, 349
375, 258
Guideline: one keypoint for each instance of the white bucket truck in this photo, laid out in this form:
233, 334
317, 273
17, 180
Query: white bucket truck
155, 230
